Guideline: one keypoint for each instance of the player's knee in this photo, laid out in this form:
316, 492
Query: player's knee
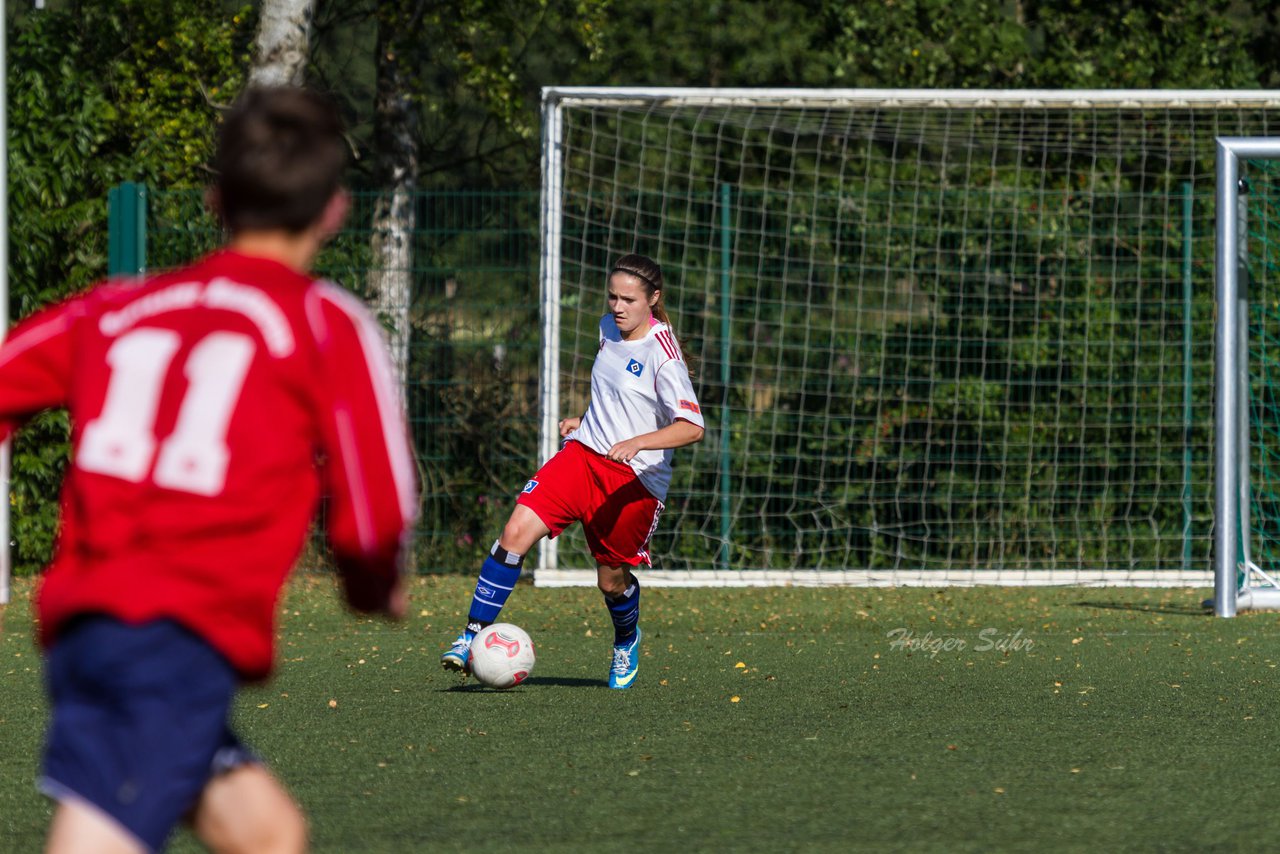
286, 833
522, 530
246, 810
291, 836
613, 585
512, 532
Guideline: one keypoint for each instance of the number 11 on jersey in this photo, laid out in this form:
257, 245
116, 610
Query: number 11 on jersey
121, 441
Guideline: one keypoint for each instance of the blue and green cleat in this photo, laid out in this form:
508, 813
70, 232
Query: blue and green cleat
626, 662
458, 656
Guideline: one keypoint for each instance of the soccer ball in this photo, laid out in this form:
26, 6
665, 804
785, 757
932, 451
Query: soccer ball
501, 655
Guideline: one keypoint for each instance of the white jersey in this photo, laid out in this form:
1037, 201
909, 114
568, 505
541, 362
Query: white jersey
638, 387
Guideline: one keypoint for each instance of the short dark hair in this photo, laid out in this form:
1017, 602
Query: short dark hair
281, 155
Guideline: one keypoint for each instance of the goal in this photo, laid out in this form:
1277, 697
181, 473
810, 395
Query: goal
942, 337
1247, 388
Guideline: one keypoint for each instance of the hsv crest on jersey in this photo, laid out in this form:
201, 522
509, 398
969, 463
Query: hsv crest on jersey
635, 368
530, 486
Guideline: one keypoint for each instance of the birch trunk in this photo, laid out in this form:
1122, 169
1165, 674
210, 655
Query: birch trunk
282, 45
391, 275
394, 215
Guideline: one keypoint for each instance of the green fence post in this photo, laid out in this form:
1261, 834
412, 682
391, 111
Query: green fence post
1187, 404
726, 226
127, 229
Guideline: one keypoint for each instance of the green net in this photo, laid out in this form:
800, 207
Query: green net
1260, 280
942, 338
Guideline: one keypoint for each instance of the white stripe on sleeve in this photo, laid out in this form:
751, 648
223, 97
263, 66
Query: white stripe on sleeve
387, 395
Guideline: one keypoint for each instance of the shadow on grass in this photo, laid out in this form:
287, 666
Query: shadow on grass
1201, 610
559, 681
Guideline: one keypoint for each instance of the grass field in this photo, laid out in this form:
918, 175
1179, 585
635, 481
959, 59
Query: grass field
763, 720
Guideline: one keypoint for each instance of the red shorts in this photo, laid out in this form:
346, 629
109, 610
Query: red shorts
617, 513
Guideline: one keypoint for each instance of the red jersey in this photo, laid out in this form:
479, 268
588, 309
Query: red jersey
210, 409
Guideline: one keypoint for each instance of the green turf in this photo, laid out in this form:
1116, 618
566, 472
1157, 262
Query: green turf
762, 720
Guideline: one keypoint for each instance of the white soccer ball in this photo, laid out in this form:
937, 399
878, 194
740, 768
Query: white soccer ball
502, 655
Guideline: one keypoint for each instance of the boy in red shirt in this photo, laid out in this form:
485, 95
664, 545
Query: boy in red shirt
211, 407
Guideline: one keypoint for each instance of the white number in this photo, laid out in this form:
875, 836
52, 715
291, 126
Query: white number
121, 441
194, 457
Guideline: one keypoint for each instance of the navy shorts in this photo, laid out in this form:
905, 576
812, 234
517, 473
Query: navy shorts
139, 722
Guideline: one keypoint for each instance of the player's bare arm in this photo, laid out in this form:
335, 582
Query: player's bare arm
677, 434
568, 425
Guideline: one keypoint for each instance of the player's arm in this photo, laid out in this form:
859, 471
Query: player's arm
368, 463
35, 364
677, 434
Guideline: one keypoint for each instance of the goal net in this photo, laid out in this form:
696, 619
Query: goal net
941, 337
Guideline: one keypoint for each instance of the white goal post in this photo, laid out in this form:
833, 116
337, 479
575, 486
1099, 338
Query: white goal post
5, 446
942, 337
1240, 581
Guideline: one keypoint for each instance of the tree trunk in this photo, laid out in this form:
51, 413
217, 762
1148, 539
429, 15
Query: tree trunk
396, 168
282, 45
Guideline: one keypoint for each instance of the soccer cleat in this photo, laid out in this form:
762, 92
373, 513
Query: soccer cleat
626, 661
458, 656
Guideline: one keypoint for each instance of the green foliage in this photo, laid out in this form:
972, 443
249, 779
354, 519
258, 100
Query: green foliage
477, 65
1059, 44
719, 43
1152, 44
109, 92
473, 70
924, 43
103, 92
39, 461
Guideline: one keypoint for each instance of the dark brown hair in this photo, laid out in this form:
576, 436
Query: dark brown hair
649, 273
281, 155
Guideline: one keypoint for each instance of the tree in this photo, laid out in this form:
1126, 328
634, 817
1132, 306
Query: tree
396, 176
282, 47
471, 71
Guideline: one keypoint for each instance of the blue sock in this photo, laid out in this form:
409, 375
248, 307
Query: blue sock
498, 576
625, 611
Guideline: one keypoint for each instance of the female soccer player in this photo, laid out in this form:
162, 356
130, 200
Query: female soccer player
612, 472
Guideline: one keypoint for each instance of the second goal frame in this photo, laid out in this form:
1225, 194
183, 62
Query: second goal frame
1238, 581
